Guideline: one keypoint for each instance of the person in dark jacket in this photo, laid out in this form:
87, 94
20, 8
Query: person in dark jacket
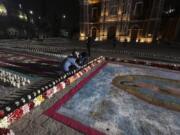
71, 62
89, 43
114, 42
83, 59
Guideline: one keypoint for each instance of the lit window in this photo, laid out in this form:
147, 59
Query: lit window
93, 1
3, 10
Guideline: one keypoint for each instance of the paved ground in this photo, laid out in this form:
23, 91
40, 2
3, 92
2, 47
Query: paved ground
152, 52
113, 111
35, 123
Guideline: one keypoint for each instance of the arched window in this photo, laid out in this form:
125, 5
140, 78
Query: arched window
3, 10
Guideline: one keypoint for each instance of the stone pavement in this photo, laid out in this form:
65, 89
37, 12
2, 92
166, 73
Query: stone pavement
36, 123
152, 52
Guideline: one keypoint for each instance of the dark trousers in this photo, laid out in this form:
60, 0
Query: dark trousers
89, 50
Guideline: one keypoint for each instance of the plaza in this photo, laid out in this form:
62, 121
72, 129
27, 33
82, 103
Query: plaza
89, 67
96, 97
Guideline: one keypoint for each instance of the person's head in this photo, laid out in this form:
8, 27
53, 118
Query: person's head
75, 54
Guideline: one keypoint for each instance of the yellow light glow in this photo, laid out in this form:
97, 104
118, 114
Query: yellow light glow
128, 39
82, 38
82, 34
142, 40
125, 38
119, 12
149, 35
22, 16
122, 39
106, 13
93, 1
3, 10
96, 39
102, 14
148, 40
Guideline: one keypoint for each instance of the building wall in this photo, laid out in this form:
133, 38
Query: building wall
127, 20
15, 22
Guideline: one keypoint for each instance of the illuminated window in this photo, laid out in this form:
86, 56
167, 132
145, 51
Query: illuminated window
93, 1
3, 10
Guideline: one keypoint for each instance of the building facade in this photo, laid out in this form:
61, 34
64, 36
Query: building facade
125, 20
15, 21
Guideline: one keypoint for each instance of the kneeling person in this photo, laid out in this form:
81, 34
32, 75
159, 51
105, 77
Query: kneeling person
70, 62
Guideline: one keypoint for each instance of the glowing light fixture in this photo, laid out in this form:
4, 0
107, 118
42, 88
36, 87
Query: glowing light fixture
149, 40
96, 39
31, 12
3, 10
63, 16
149, 35
22, 16
82, 34
93, 1
142, 40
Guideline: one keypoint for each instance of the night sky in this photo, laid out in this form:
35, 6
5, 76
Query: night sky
54, 9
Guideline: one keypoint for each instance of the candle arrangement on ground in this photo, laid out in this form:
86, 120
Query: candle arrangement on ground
19, 107
146, 62
13, 79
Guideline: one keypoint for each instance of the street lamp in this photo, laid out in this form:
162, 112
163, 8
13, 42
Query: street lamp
31, 12
3, 10
63, 16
